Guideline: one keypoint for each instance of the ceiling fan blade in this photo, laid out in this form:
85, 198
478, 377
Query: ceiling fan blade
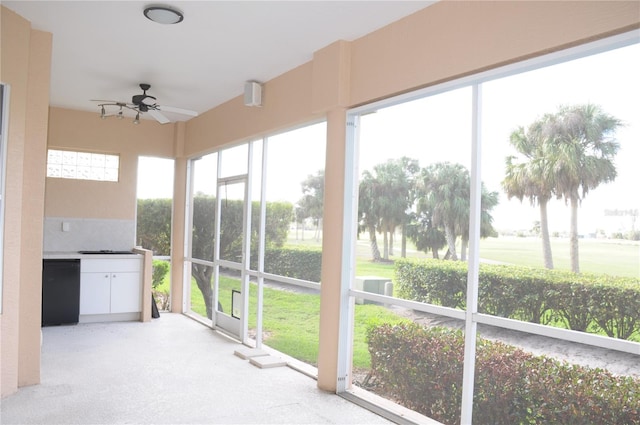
178, 110
158, 116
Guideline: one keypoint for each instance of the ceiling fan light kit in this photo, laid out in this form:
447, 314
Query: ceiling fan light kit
142, 103
163, 15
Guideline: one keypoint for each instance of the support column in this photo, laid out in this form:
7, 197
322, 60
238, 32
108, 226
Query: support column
177, 221
332, 255
32, 211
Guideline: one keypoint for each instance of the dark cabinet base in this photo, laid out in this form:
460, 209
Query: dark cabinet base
60, 292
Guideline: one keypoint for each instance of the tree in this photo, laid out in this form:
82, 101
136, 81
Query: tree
368, 211
395, 183
424, 234
444, 200
153, 225
278, 217
385, 199
312, 202
443, 188
582, 147
530, 176
488, 201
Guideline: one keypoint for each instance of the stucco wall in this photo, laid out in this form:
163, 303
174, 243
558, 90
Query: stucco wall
26, 63
451, 39
85, 131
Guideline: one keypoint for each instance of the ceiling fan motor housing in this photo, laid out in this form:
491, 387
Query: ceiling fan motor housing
144, 98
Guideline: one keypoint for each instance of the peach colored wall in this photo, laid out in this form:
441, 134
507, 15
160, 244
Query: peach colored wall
85, 131
331, 75
286, 102
330, 298
33, 207
147, 282
177, 220
26, 58
455, 38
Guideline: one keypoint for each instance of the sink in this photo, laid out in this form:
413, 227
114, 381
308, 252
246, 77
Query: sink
105, 251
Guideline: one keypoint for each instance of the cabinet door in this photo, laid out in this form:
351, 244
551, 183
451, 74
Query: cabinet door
95, 293
125, 292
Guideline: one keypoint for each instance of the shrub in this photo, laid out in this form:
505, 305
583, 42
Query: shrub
583, 301
433, 281
159, 271
422, 368
305, 264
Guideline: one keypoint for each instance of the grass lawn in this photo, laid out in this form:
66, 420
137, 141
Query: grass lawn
613, 257
291, 320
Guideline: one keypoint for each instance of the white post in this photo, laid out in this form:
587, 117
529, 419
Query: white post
473, 264
263, 219
347, 305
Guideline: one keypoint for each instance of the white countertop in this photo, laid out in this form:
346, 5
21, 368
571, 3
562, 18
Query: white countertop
70, 255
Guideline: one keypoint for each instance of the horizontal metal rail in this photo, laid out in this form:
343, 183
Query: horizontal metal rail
559, 333
413, 305
585, 338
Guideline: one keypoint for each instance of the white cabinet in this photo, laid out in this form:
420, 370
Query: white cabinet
110, 286
95, 293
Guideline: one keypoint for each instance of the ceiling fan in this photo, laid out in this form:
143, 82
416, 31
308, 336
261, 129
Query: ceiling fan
140, 104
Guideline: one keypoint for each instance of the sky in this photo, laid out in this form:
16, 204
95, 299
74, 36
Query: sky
438, 128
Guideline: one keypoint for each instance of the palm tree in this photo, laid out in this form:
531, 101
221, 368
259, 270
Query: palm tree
395, 198
311, 203
368, 211
582, 147
443, 188
424, 234
530, 176
488, 200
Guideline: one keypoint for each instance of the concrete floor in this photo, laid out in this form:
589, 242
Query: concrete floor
172, 370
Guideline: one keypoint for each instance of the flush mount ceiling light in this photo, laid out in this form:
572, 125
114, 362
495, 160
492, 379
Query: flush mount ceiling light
163, 15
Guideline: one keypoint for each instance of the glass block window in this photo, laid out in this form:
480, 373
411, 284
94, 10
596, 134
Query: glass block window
82, 165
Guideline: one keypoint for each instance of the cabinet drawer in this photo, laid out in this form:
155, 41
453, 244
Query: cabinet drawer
115, 265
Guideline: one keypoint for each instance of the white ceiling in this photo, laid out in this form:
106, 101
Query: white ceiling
104, 49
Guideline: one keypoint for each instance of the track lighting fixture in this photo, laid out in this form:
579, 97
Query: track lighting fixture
120, 115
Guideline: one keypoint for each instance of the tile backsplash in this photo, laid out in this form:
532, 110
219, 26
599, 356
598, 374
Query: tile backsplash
76, 234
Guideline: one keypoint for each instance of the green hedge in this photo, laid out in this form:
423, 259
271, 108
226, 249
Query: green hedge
421, 368
298, 263
583, 302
